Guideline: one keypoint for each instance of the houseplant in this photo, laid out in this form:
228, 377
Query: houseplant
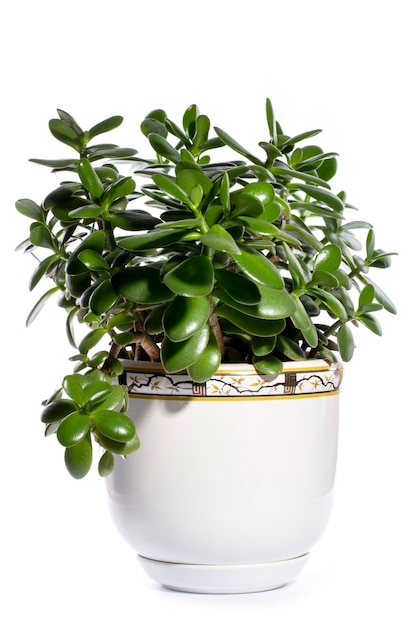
248, 259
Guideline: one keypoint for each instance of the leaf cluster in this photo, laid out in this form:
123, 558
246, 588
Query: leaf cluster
193, 260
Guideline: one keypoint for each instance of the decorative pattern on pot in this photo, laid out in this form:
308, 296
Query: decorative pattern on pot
315, 379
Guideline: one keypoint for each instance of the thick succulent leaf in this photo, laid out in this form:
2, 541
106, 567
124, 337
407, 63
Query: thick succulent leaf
64, 133
73, 385
332, 303
328, 259
246, 204
151, 125
91, 339
192, 277
119, 189
202, 131
188, 222
30, 209
300, 317
40, 304
207, 363
56, 411
345, 342
366, 296
142, 285
153, 322
78, 458
73, 429
171, 187
189, 119
383, 299
327, 169
270, 118
42, 269
58, 164
219, 239
289, 348
260, 226
89, 211
274, 303
287, 173
261, 190
106, 464
134, 220
163, 147
269, 365
158, 238
94, 241
118, 447
103, 297
370, 322
324, 279
93, 260
114, 425
178, 356
110, 153
311, 336
257, 267
323, 195
105, 126
185, 316
249, 324
261, 346
232, 143
89, 178
271, 212
188, 177
175, 130
41, 236
240, 288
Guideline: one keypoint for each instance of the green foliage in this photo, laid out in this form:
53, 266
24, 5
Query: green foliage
190, 259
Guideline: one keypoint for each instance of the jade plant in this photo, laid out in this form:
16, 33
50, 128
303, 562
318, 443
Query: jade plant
192, 260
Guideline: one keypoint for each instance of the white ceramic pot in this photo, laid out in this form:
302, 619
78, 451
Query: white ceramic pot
233, 482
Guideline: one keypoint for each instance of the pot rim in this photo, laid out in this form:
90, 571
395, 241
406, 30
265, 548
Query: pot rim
311, 365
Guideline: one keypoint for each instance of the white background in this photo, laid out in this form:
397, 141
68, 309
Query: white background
346, 67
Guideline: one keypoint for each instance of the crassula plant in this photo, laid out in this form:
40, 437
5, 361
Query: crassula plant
192, 260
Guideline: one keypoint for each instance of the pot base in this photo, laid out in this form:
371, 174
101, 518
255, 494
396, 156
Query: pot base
223, 579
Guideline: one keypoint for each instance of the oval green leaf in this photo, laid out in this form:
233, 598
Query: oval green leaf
240, 288
328, 259
73, 429
219, 239
269, 365
89, 178
142, 285
251, 325
207, 363
257, 267
103, 298
57, 410
78, 458
185, 316
261, 346
192, 277
345, 342
114, 425
274, 303
106, 464
178, 356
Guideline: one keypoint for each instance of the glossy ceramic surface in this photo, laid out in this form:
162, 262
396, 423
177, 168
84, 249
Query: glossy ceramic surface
228, 478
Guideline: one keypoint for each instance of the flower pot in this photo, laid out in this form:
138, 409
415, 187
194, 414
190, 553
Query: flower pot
233, 483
